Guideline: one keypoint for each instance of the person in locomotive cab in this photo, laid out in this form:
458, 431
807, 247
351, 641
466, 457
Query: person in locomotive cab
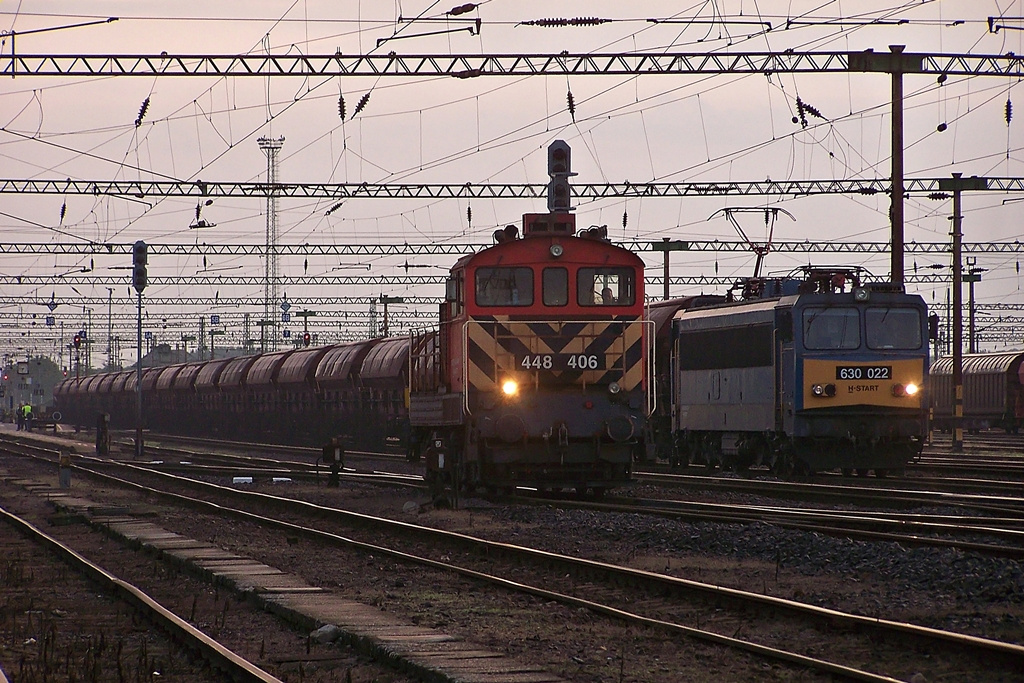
607, 297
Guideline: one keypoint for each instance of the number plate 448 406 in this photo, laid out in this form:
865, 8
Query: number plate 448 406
562, 361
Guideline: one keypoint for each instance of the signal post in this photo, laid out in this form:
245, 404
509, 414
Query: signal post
139, 280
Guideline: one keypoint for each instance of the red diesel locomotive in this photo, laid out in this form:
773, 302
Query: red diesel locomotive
538, 372
538, 375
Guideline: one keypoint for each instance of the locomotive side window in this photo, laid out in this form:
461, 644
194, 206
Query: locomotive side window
831, 328
893, 328
504, 287
555, 286
606, 287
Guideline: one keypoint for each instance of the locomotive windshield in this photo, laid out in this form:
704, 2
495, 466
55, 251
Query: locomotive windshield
893, 328
555, 287
831, 328
504, 287
606, 287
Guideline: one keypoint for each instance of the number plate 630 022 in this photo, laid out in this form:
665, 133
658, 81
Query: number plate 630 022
863, 372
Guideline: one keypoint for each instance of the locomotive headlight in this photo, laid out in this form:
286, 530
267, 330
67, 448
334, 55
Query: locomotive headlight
510, 387
556, 250
614, 388
861, 294
823, 390
909, 389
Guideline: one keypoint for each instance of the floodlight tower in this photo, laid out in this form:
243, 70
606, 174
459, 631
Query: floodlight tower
271, 147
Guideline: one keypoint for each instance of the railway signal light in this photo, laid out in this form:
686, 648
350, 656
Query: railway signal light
139, 260
559, 170
77, 341
305, 339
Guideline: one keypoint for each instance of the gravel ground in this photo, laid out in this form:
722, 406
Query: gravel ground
936, 587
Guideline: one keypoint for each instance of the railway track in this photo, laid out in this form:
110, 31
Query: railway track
575, 582
55, 654
1001, 536
1000, 532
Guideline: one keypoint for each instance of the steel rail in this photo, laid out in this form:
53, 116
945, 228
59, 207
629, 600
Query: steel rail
815, 491
831, 523
220, 657
518, 587
578, 564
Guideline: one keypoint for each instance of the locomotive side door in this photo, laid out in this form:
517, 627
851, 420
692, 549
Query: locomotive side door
785, 371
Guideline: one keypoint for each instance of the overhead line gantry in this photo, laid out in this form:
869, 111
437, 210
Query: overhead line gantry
458, 248
492, 65
140, 189
896, 63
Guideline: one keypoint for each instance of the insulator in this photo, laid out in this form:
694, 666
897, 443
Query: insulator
362, 103
575, 21
800, 113
938, 196
142, 112
469, 215
341, 107
813, 111
941, 79
546, 22
572, 105
625, 219
461, 9
305, 266
941, 127
1008, 114
63, 211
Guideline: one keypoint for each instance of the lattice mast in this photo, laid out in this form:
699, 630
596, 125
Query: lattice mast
271, 286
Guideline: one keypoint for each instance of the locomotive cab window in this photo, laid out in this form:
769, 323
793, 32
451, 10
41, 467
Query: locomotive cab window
893, 328
831, 328
555, 286
606, 287
504, 287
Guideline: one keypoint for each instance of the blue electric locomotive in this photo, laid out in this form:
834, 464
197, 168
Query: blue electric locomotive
803, 375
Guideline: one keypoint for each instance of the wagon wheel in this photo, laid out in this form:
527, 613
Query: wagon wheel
783, 464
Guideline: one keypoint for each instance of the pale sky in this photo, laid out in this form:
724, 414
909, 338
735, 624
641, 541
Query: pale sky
493, 129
